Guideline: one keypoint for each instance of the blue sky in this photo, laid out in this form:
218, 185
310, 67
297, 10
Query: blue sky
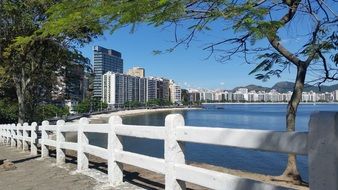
187, 66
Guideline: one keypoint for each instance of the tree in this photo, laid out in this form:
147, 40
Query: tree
8, 110
185, 97
91, 105
31, 61
83, 107
253, 29
132, 104
48, 111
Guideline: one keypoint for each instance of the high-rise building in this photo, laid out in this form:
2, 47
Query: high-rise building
151, 89
105, 60
136, 72
335, 93
158, 88
119, 88
194, 95
71, 83
175, 92
163, 89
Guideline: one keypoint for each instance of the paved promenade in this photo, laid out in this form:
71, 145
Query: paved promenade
35, 174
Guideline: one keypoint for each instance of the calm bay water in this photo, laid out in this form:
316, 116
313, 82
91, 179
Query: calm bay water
247, 116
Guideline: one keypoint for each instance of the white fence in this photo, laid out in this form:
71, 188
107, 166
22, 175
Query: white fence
320, 144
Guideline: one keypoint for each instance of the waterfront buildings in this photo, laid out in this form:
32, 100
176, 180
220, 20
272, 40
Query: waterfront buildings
72, 85
162, 89
137, 72
151, 90
194, 95
244, 95
335, 94
105, 60
175, 92
119, 88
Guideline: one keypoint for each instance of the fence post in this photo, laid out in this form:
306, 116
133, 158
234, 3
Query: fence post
60, 138
44, 136
323, 151
24, 137
82, 141
13, 135
115, 169
34, 138
7, 136
9, 132
3, 135
19, 136
173, 152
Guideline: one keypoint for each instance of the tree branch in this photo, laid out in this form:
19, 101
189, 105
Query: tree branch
293, 5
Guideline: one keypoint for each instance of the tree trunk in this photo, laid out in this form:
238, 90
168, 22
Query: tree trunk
21, 103
20, 86
291, 172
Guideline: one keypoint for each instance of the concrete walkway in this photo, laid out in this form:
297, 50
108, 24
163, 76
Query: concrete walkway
33, 173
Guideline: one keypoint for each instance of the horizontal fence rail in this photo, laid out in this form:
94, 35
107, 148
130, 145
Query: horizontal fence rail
175, 134
285, 142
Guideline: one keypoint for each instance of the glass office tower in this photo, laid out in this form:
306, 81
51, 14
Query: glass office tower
105, 60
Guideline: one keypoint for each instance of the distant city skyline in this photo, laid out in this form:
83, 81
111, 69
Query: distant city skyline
244, 95
187, 66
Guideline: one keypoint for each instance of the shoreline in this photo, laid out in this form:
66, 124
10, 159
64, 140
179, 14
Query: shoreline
139, 112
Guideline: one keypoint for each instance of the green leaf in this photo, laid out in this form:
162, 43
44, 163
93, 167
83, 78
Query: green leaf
260, 66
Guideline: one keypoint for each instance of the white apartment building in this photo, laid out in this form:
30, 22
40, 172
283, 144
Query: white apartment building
335, 95
118, 88
221, 96
242, 94
175, 92
109, 88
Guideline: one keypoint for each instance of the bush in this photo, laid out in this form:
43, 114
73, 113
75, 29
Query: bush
8, 111
47, 111
90, 105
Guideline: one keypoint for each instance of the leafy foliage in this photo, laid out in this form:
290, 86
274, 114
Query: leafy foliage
249, 21
83, 107
8, 111
267, 66
132, 104
48, 111
90, 105
158, 102
185, 97
30, 60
